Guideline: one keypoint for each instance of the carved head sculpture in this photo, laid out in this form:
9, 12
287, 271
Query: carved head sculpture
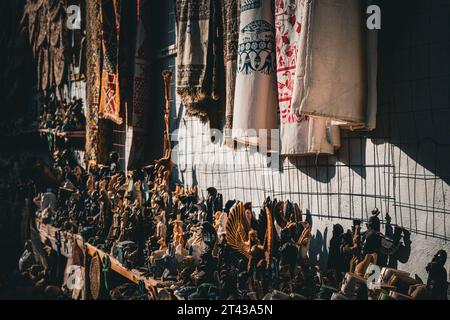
253, 237
212, 192
374, 223
375, 212
248, 212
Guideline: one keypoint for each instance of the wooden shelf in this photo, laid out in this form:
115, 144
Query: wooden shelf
51, 233
65, 134
133, 275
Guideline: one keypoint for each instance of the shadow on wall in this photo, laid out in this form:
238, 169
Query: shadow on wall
321, 168
318, 251
413, 82
353, 152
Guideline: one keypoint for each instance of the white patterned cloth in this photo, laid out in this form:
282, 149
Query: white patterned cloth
255, 97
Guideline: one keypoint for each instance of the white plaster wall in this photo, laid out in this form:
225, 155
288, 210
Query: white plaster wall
340, 198
401, 168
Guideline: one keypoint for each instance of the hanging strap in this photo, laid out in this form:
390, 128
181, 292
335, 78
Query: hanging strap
105, 269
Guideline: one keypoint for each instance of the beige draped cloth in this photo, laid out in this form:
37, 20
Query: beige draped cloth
332, 79
300, 134
255, 98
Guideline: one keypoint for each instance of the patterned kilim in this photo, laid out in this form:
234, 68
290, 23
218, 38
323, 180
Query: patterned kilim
110, 93
93, 37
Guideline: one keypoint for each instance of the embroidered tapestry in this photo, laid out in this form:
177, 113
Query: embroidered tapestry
110, 84
93, 70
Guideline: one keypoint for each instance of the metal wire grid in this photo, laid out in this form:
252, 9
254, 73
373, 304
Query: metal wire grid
374, 170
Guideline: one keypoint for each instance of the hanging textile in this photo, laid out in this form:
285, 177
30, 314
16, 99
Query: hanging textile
41, 46
230, 14
57, 39
58, 64
300, 134
47, 35
255, 97
30, 20
43, 27
93, 70
332, 74
44, 68
372, 73
141, 88
110, 85
199, 57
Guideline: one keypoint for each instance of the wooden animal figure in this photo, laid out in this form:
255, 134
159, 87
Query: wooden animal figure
362, 266
241, 237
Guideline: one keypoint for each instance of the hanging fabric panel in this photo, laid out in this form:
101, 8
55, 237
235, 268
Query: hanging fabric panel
93, 51
300, 134
255, 99
110, 87
199, 57
331, 76
141, 88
